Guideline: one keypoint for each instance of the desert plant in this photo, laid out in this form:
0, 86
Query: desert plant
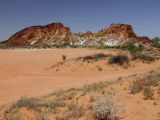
152, 79
133, 48
95, 56
119, 59
41, 116
148, 93
75, 111
29, 103
11, 116
106, 108
97, 86
135, 87
156, 42
144, 57
64, 57
53, 104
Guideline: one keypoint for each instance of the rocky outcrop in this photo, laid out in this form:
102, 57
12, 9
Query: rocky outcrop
122, 30
37, 34
58, 34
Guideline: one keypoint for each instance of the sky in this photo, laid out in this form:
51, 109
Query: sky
80, 15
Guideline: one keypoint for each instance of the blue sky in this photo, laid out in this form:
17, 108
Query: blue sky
80, 15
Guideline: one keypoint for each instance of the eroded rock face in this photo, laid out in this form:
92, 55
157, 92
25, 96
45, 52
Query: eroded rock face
123, 30
37, 34
57, 33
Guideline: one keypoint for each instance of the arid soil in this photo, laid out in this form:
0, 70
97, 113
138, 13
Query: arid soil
29, 72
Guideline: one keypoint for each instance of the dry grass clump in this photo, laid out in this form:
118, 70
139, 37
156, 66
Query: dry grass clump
136, 87
145, 85
148, 93
107, 108
29, 103
93, 87
119, 60
75, 111
144, 57
94, 57
39, 107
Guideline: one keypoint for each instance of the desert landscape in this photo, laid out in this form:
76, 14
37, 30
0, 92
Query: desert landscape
74, 77
79, 60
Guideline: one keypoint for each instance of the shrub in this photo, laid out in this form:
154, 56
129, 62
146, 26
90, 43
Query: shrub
64, 57
119, 59
75, 111
147, 81
133, 48
144, 57
156, 42
152, 80
93, 87
135, 87
53, 104
94, 56
148, 93
106, 108
40, 116
12, 116
29, 103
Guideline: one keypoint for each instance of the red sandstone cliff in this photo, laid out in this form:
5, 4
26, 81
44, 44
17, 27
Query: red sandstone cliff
57, 33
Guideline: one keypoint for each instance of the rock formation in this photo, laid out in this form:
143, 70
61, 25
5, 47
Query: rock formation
58, 34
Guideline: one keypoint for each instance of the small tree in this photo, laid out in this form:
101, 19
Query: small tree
156, 42
133, 48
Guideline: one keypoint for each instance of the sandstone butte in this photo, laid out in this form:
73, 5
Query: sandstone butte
58, 34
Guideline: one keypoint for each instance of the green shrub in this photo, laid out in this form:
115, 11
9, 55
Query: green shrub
119, 59
133, 48
156, 42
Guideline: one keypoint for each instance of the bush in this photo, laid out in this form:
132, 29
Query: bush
94, 56
144, 57
29, 103
64, 57
12, 116
148, 81
156, 42
152, 80
119, 59
75, 111
106, 108
133, 48
136, 87
148, 93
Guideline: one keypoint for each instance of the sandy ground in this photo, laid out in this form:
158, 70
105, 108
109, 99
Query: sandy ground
28, 72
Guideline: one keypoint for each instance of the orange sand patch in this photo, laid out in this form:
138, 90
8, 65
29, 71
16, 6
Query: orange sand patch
28, 72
